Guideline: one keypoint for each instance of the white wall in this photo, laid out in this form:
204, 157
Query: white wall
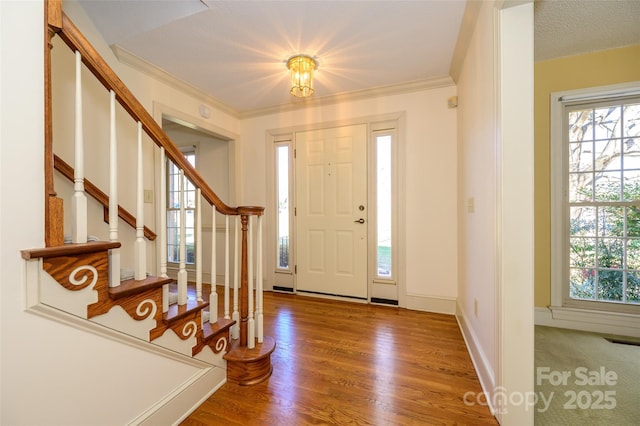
495, 245
477, 169
51, 373
429, 186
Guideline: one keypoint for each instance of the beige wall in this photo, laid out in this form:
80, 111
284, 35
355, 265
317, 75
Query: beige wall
575, 72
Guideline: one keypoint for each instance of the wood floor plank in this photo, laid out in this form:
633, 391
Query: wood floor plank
344, 363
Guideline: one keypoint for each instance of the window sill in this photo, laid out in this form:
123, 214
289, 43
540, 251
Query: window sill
589, 320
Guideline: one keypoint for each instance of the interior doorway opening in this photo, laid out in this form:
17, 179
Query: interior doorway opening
214, 156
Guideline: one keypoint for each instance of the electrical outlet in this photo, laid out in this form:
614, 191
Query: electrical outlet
148, 196
475, 307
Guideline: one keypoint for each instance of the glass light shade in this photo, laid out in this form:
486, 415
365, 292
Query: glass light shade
301, 67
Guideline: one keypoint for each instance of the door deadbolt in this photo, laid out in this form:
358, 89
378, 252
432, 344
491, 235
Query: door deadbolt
361, 207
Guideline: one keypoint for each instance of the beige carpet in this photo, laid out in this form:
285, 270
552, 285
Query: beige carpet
587, 379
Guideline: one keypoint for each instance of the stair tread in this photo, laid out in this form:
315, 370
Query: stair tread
69, 249
211, 329
177, 312
132, 286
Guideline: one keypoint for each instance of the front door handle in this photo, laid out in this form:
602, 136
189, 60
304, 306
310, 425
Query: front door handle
361, 220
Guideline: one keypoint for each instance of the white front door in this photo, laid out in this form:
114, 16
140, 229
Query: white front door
331, 211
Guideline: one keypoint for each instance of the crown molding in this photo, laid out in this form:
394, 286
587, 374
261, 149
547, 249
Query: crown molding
469, 19
146, 67
152, 70
394, 89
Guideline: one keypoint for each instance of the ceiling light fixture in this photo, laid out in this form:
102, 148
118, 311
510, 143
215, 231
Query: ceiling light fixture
302, 68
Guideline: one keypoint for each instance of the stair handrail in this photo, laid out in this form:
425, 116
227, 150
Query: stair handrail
67, 171
58, 23
76, 41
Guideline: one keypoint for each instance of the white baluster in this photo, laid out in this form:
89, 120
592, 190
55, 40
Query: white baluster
79, 200
182, 273
198, 247
213, 296
162, 235
259, 298
235, 330
114, 254
140, 253
251, 326
227, 260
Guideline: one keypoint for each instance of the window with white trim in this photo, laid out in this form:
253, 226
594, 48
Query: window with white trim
173, 211
283, 191
383, 230
282, 198
384, 202
596, 213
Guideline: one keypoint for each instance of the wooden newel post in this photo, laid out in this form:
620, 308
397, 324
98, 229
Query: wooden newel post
244, 283
248, 364
54, 217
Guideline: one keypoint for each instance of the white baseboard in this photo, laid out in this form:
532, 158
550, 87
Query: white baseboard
586, 320
481, 363
439, 305
184, 400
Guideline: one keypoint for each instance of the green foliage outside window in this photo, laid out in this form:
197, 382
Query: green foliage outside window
604, 191
600, 267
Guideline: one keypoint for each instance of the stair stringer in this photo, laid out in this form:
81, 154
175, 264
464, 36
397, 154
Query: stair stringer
171, 340
53, 294
174, 407
210, 357
118, 319
44, 294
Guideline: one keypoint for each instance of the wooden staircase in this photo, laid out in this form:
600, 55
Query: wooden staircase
77, 278
77, 267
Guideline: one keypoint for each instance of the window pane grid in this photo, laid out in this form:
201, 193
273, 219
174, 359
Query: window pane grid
603, 198
605, 253
173, 213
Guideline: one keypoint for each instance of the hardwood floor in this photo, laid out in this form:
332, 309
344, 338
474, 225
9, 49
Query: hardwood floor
347, 363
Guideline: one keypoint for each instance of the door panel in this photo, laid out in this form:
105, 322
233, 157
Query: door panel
331, 183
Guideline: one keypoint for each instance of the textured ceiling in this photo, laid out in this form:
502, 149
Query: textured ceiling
570, 27
235, 51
